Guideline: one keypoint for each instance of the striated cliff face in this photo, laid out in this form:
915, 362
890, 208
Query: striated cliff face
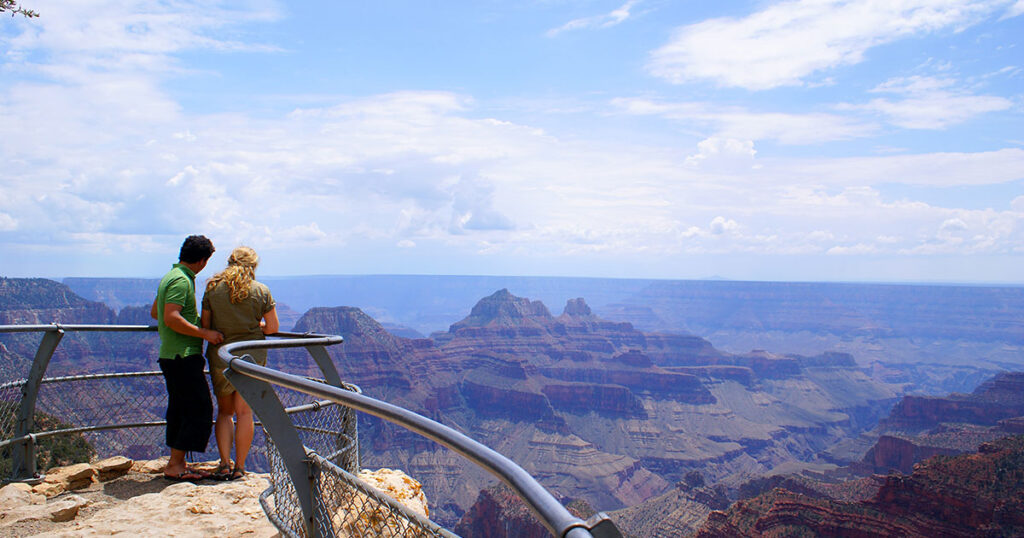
980, 494
596, 409
920, 412
499, 513
894, 453
38, 301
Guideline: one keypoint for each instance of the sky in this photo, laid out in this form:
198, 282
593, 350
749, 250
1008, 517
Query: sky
802, 140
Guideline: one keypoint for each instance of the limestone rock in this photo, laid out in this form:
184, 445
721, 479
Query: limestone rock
75, 476
400, 487
14, 496
150, 466
357, 517
61, 510
112, 467
66, 509
48, 489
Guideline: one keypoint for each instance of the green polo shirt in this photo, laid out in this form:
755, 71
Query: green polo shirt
178, 287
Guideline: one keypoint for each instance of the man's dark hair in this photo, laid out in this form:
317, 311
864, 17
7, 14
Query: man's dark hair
196, 248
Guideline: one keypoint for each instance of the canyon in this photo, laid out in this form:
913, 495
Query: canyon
604, 414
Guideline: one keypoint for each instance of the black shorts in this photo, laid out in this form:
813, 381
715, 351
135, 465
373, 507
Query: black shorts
189, 407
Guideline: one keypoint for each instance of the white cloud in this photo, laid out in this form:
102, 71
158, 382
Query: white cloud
301, 234
1018, 204
7, 223
930, 103
852, 250
953, 225
740, 123
935, 169
1014, 10
97, 156
789, 41
106, 27
723, 153
720, 225
607, 20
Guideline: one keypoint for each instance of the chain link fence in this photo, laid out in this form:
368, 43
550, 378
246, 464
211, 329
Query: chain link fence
122, 414
344, 505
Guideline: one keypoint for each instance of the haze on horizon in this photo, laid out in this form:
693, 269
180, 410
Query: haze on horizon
754, 140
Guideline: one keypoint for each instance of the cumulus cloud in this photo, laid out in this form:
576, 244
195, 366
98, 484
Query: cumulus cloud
723, 153
606, 20
953, 225
473, 208
788, 42
720, 225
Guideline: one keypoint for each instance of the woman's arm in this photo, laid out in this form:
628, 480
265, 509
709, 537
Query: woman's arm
270, 323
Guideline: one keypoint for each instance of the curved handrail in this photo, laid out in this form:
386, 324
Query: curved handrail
558, 520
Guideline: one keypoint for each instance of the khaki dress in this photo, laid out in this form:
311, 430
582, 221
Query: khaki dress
237, 322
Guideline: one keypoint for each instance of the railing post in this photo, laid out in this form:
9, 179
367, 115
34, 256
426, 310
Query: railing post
23, 457
350, 425
263, 400
323, 360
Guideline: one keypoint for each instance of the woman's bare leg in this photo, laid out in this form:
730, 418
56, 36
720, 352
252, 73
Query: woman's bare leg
243, 430
224, 429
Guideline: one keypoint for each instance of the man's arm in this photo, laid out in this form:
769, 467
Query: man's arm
177, 323
152, 311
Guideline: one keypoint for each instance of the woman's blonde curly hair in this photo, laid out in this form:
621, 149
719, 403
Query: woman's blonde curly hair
238, 275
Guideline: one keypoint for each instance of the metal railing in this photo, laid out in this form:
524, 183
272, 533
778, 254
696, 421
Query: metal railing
127, 407
314, 464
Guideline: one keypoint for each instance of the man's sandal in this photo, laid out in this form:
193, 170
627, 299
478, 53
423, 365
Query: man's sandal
184, 476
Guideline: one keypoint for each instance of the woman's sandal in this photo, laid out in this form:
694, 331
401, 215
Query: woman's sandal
236, 473
223, 471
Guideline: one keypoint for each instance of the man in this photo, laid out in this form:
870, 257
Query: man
189, 407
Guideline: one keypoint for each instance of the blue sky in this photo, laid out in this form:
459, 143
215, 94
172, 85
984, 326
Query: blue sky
800, 140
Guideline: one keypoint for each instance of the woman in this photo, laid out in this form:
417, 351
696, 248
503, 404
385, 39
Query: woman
241, 308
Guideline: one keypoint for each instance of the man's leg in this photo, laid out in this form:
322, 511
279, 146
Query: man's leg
197, 405
171, 369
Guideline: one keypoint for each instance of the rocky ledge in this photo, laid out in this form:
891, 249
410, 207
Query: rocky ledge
119, 496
